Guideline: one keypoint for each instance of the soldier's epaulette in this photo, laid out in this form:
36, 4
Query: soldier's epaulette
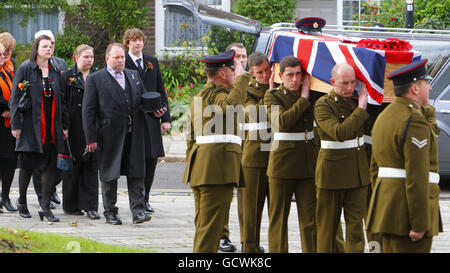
417, 114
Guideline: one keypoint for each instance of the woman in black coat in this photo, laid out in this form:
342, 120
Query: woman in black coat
38, 129
80, 184
8, 158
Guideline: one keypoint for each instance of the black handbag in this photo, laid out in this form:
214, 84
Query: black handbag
24, 102
65, 162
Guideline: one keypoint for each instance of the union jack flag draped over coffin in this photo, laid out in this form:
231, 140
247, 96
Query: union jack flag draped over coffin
319, 54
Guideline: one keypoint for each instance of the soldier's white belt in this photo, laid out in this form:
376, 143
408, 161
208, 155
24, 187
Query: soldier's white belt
348, 144
218, 139
256, 126
293, 136
386, 172
367, 139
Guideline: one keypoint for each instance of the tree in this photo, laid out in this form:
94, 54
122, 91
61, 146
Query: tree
267, 12
115, 16
429, 14
432, 14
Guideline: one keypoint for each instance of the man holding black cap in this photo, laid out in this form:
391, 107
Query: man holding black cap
213, 155
404, 206
112, 99
149, 70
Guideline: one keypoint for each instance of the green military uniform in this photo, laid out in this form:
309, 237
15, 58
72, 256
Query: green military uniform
405, 141
291, 168
213, 160
342, 172
254, 166
340, 242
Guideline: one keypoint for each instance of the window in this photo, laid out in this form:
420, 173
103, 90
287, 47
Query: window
437, 54
25, 34
215, 2
441, 83
446, 95
180, 28
352, 12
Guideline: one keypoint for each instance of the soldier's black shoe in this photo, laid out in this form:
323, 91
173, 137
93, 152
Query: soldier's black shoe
225, 245
261, 249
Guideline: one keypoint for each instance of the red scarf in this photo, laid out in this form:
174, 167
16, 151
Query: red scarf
43, 128
6, 91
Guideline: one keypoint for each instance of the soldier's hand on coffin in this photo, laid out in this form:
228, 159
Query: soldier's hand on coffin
272, 80
305, 87
160, 112
363, 97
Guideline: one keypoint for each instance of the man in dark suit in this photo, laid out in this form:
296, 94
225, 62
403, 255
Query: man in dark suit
114, 122
148, 68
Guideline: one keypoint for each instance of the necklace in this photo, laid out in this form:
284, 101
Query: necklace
47, 93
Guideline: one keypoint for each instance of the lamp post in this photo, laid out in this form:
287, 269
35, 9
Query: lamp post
409, 14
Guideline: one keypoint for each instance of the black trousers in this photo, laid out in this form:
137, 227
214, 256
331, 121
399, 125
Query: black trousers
150, 168
80, 187
135, 194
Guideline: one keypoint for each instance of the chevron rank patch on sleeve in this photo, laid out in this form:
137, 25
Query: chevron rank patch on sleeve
419, 143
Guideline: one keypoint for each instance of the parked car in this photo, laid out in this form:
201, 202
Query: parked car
433, 44
440, 99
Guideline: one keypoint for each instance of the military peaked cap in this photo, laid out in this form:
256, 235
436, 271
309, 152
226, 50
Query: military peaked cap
410, 73
311, 25
221, 60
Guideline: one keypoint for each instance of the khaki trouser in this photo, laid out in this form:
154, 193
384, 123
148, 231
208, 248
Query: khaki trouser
212, 204
281, 191
328, 213
403, 244
226, 229
372, 238
253, 197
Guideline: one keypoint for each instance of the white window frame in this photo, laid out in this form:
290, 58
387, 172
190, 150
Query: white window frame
160, 49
